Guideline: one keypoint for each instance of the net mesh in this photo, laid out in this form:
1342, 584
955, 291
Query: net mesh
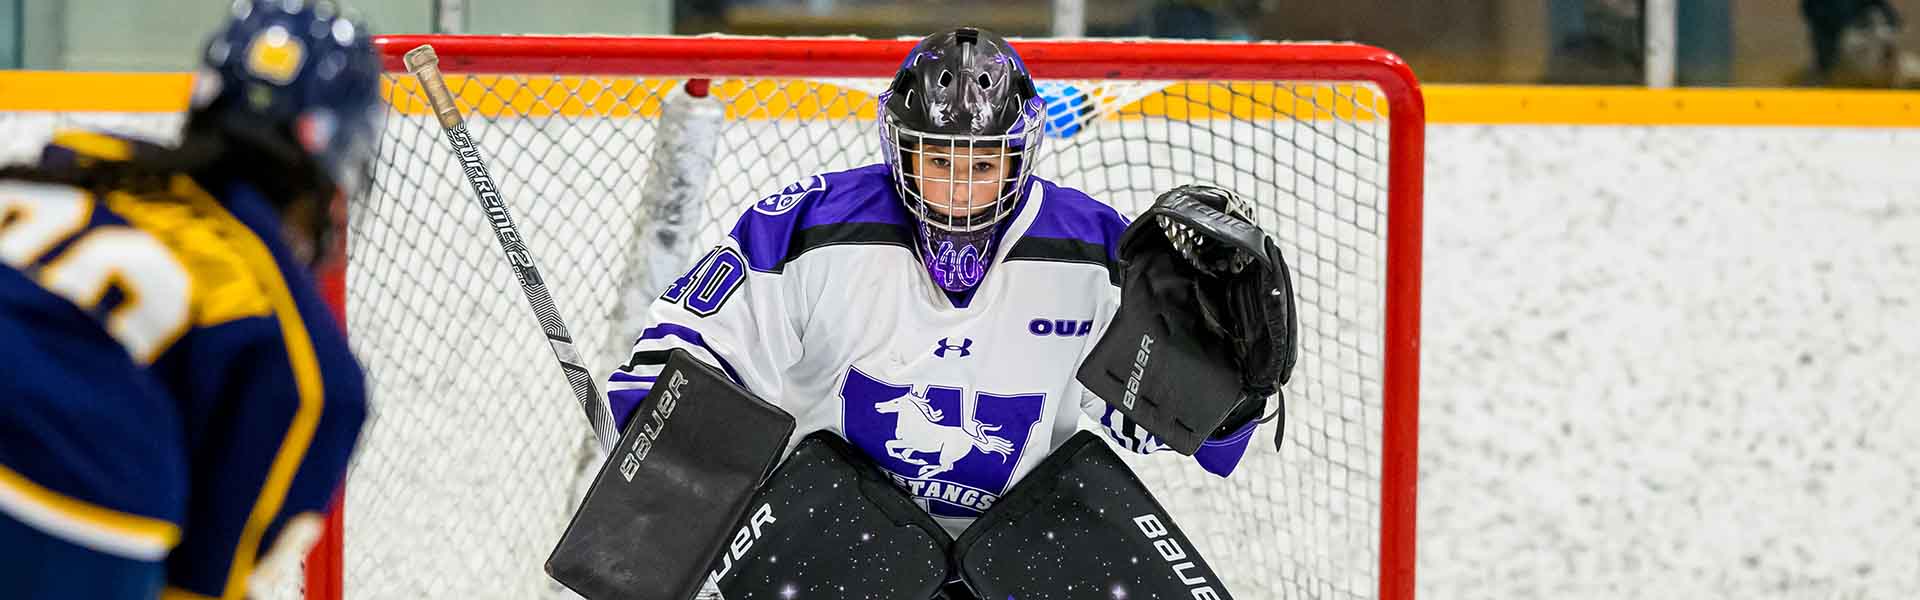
475, 451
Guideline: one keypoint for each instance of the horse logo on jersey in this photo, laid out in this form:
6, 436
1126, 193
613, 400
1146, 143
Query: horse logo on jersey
917, 429
955, 465
779, 204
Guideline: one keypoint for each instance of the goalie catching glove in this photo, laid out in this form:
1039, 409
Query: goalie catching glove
1206, 328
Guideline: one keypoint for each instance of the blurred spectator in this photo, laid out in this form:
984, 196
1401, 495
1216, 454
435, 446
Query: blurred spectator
1856, 44
700, 16
1180, 19
1605, 50
1195, 19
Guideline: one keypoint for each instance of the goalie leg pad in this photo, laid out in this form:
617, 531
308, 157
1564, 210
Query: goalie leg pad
666, 501
831, 525
1085, 516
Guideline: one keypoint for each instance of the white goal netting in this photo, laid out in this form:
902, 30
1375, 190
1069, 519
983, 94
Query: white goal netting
470, 466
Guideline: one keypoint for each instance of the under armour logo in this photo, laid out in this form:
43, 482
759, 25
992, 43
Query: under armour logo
965, 347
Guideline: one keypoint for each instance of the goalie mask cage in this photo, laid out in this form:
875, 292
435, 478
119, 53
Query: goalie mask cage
471, 463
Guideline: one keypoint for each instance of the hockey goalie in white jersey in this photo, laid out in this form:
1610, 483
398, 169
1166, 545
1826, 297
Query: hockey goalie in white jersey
931, 309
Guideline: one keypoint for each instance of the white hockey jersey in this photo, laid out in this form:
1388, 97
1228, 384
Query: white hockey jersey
818, 303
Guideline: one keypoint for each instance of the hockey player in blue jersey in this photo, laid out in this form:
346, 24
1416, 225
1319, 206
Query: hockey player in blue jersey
177, 404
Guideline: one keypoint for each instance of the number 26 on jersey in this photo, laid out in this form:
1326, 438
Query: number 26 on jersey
149, 306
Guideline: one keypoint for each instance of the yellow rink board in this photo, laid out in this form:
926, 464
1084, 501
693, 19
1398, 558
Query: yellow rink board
490, 96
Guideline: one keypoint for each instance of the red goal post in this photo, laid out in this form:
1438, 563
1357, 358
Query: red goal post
1393, 88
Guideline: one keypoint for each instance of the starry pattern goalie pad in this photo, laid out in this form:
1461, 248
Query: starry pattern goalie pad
1082, 527
830, 525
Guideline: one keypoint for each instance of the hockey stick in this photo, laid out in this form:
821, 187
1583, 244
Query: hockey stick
426, 67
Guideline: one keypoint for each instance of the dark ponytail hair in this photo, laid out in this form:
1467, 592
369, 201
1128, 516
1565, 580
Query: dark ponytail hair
147, 171
212, 155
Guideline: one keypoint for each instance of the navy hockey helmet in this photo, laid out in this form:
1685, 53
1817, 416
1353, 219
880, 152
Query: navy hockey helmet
961, 116
297, 80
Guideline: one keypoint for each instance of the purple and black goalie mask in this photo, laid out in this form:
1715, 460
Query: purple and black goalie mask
961, 126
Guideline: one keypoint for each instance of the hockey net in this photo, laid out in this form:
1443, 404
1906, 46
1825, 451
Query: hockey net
471, 464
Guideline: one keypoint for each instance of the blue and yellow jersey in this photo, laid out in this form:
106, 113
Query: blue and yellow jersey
171, 384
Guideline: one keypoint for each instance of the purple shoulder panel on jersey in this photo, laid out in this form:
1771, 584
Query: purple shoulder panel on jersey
853, 206
1072, 214
1072, 227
